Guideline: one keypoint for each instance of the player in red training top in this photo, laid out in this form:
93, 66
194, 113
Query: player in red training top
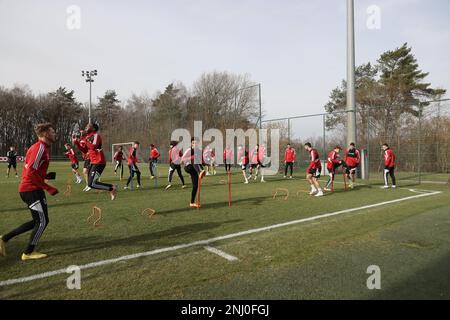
333, 162
192, 160
314, 171
352, 160
97, 159
228, 156
73, 161
243, 161
80, 142
175, 164
31, 191
132, 165
154, 156
389, 166
118, 159
289, 158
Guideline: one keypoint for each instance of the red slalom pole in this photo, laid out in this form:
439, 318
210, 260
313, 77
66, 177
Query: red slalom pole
229, 189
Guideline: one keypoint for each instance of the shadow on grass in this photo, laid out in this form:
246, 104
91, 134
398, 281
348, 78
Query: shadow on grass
431, 283
97, 243
50, 207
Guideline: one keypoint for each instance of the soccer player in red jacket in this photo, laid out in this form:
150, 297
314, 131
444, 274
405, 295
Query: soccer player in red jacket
73, 161
118, 158
243, 161
132, 165
192, 159
175, 164
289, 158
314, 171
389, 166
228, 158
80, 142
352, 161
98, 162
333, 162
154, 156
31, 191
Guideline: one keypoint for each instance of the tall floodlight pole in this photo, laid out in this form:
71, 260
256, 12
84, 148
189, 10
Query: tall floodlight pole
89, 78
260, 107
351, 101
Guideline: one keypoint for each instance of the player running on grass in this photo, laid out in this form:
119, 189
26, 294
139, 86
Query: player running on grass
175, 164
80, 142
208, 161
73, 161
289, 159
243, 161
12, 161
314, 171
389, 166
132, 165
192, 160
97, 159
118, 159
154, 156
31, 191
352, 161
333, 163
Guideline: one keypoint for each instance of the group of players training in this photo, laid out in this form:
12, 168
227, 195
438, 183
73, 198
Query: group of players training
89, 142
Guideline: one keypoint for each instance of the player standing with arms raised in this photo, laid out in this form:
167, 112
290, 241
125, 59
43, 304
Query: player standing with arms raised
31, 191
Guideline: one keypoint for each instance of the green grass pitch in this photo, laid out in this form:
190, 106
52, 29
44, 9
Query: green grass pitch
319, 259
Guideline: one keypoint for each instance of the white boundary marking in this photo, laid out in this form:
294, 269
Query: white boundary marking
212, 240
221, 254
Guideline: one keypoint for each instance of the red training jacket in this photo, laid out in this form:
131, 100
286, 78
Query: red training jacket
35, 169
94, 146
332, 160
315, 160
72, 156
352, 157
290, 155
154, 154
389, 158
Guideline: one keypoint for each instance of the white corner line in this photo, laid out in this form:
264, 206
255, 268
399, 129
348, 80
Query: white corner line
209, 241
222, 254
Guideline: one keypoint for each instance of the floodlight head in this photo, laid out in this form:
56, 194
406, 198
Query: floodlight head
82, 73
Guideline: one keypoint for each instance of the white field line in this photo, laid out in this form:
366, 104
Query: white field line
212, 240
221, 254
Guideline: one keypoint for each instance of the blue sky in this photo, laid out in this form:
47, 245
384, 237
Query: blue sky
296, 49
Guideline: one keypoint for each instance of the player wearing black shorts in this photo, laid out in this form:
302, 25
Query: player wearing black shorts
12, 161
